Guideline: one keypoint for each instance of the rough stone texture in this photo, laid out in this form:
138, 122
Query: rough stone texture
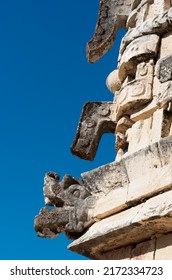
164, 69
121, 184
123, 210
164, 247
95, 120
112, 16
132, 226
137, 92
165, 48
70, 200
144, 112
106, 178
124, 253
139, 50
144, 250
159, 24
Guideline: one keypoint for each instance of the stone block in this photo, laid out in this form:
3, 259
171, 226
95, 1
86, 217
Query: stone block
107, 177
151, 183
129, 227
123, 253
144, 112
109, 204
164, 248
144, 250
166, 41
134, 163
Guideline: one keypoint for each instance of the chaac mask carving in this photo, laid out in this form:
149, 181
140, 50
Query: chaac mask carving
142, 84
70, 200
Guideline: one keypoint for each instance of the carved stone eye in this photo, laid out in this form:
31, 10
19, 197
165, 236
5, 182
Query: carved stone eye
104, 112
91, 123
76, 193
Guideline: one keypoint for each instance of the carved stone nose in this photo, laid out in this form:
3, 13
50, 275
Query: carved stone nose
49, 223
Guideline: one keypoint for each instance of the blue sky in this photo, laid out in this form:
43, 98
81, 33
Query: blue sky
45, 80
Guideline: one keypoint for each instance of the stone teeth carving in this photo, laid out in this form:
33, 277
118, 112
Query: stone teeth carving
70, 200
96, 119
112, 16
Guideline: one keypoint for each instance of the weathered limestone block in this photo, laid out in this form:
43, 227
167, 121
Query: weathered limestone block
96, 119
112, 16
165, 47
144, 250
105, 178
165, 150
157, 25
137, 92
161, 6
164, 247
148, 131
118, 185
140, 12
139, 50
164, 69
145, 111
132, 226
108, 204
154, 156
123, 253
149, 184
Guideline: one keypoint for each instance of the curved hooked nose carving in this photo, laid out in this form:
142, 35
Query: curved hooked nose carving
112, 15
95, 120
70, 199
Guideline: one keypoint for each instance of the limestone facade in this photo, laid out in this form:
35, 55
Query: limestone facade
123, 210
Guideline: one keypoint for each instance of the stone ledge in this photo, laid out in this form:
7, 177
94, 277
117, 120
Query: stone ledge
119, 185
131, 226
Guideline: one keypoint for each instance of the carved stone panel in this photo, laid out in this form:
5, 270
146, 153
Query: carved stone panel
137, 92
139, 50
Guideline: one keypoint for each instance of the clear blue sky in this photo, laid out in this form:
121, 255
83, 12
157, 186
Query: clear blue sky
45, 80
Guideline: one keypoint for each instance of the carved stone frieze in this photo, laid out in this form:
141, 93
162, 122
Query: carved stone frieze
70, 200
139, 50
130, 198
137, 92
96, 119
139, 12
159, 25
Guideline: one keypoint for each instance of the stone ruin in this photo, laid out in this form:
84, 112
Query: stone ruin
122, 210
